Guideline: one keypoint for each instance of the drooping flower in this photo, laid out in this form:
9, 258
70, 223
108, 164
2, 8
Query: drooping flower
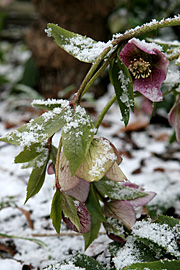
148, 67
125, 210
174, 117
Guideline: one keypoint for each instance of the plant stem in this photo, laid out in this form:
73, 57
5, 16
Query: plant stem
145, 28
99, 72
90, 74
104, 111
57, 164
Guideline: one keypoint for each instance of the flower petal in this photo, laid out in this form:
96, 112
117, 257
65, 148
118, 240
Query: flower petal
149, 86
174, 117
80, 191
115, 174
66, 182
99, 159
143, 200
84, 217
121, 210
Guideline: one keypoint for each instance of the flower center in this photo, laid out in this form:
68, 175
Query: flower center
139, 68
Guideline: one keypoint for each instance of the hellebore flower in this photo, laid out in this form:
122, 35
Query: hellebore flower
147, 65
124, 210
174, 117
102, 159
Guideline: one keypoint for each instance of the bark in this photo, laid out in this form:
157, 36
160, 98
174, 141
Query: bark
58, 69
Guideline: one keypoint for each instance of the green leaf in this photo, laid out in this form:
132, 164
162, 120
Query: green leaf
90, 236
29, 153
117, 191
158, 265
56, 211
53, 153
77, 135
78, 261
122, 82
69, 210
39, 129
83, 48
37, 176
167, 220
93, 205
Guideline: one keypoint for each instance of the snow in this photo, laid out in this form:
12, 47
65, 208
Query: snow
13, 182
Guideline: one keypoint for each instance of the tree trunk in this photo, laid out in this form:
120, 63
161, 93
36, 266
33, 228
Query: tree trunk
58, 69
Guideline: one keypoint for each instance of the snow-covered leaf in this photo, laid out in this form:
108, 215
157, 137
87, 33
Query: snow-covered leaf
81, 47
56, 211
77, 135
158, 265
122, 82
39, 129
117, 191
50, 104
29, 153
77, 262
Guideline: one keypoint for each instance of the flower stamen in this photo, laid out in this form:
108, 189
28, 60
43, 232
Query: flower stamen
139, 68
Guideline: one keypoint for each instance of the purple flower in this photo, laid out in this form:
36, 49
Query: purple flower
124, 211
174, 117
147, 65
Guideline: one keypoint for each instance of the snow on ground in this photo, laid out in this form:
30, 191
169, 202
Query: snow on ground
144, 162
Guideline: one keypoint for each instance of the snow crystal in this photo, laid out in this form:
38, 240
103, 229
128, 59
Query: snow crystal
127, 255
161, 234
85, 48
48, 31
99, 163
147, 46
68, 266
61, 102
80, 120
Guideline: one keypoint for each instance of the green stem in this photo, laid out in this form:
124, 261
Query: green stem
90, 74
145, 28
104, 111
99, 72
57, 164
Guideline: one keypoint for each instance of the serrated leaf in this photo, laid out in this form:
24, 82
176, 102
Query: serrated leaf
122, 82
83, 48
29, 153
158, 265
90, 236
37, 176
93, 205
69, 210
77, 135
38, 129
56, 211
117, 191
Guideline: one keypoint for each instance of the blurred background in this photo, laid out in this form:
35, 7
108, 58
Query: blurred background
33, 66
